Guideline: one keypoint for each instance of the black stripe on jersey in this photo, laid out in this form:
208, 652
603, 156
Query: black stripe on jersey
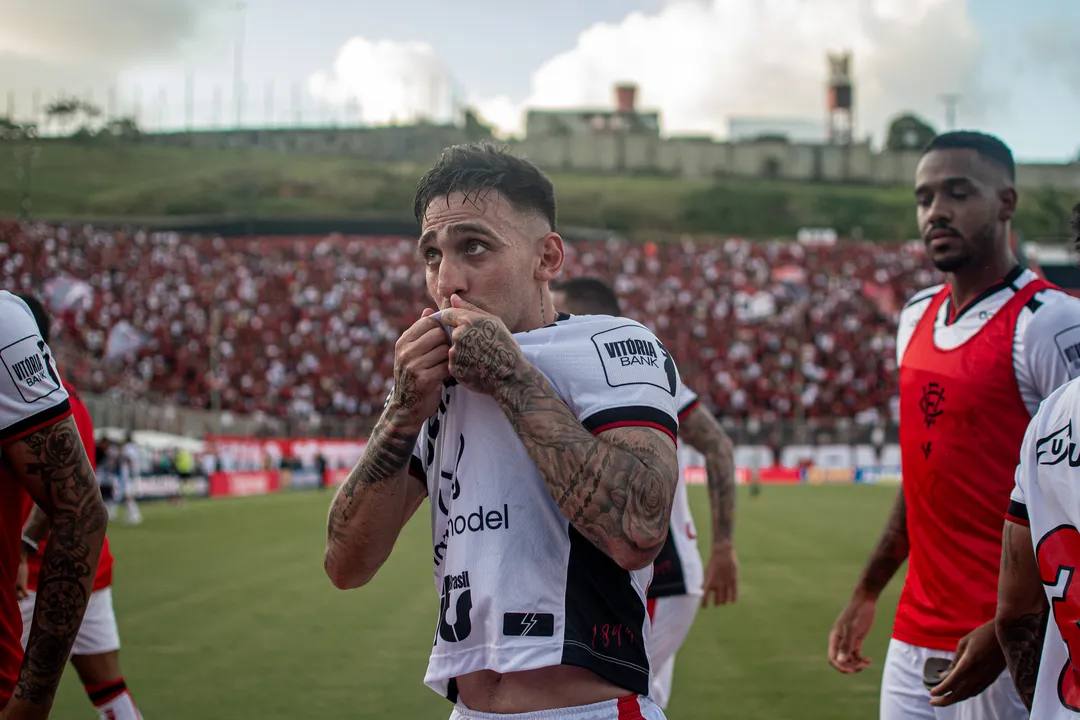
559, 317
605, 618
689, 406
452, 691
921, 296
631, 416
668, 578
1007, 282
1034, 303
1017, 513
416, 469
35, 422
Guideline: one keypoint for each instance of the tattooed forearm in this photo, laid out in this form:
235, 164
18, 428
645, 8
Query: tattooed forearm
362, 525
701, 430
890, 553
53, 466
616, 492
1022, 640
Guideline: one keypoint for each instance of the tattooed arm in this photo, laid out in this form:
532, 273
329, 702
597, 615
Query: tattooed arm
890, 553
1022, 611
379, 496
372, 505
52, 465
701, 430
616, 489
36, 526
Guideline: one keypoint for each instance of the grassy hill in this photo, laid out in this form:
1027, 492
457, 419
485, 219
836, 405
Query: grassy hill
122, 180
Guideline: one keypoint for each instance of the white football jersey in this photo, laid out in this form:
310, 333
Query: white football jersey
519, 587
31, 393
1046, 341
1047, 499
678, 569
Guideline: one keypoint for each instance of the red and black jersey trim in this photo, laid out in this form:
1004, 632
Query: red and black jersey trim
35, 422
689, 406
1017, 513
631, 416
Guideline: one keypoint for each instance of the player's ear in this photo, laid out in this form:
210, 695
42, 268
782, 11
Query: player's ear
1008, 199
550, 256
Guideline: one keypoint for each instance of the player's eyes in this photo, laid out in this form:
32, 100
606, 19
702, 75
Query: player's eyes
431, 256
475, 247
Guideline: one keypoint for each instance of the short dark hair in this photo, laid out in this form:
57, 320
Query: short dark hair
593, 293
41, 315
486, 166
989, 148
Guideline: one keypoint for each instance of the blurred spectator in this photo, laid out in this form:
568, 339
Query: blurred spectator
304, 327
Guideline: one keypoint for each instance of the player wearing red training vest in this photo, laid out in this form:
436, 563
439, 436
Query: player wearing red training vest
96, 652
42, 454
976, 357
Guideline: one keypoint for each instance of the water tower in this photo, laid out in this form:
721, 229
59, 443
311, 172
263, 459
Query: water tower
840, 100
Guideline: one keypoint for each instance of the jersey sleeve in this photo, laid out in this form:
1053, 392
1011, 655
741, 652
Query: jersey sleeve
618, 374
685, 400
31, 394
1051, 347
1025, 474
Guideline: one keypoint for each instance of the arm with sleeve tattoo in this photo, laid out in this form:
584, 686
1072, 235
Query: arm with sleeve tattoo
372, 505
890, 553
36, 526
1022, 611
701, 430
53, 466
615, 489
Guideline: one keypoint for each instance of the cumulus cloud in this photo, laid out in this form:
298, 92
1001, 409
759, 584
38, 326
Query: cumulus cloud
702, 61
99, 32
389, 81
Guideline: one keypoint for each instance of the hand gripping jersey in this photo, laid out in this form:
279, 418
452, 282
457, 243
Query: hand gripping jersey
963, 414
1047, 499
678, 569
103, 578
31, 397
519, 587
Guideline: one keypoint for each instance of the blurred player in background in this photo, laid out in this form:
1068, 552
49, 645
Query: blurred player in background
1040, 554
976, 357
677, 586
124, 489
96, 652
547, 447
41, 453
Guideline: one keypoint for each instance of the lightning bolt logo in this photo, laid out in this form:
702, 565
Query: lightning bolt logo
528, 622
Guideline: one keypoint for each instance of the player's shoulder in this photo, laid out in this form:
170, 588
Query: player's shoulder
14, 313
922, 298
1053, 317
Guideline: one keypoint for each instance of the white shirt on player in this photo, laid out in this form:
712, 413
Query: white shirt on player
31, 394
1046, 343
1047, 499
678, 569
519, 587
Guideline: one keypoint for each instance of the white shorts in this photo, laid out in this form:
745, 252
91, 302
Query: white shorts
632, 707
98, 634
904, 697
672, 617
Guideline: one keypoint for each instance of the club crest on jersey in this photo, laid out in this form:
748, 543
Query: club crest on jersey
29, 365
631, 355
930, 403
1057, 447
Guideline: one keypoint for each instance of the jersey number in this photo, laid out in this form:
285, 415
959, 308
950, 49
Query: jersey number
1058, 555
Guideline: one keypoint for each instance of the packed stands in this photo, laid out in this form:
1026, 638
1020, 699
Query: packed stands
304, 327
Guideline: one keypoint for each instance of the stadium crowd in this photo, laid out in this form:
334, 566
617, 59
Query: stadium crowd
304, 326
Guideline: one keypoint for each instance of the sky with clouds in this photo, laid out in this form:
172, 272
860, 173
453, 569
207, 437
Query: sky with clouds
1016, 66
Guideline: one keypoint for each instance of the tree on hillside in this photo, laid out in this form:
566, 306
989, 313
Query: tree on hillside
66, 113
475, 128
909, 132
11, 130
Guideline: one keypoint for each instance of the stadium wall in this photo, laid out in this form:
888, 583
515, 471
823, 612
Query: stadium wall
691, 157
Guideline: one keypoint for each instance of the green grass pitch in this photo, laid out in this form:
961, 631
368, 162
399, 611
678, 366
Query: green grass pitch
225, 612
